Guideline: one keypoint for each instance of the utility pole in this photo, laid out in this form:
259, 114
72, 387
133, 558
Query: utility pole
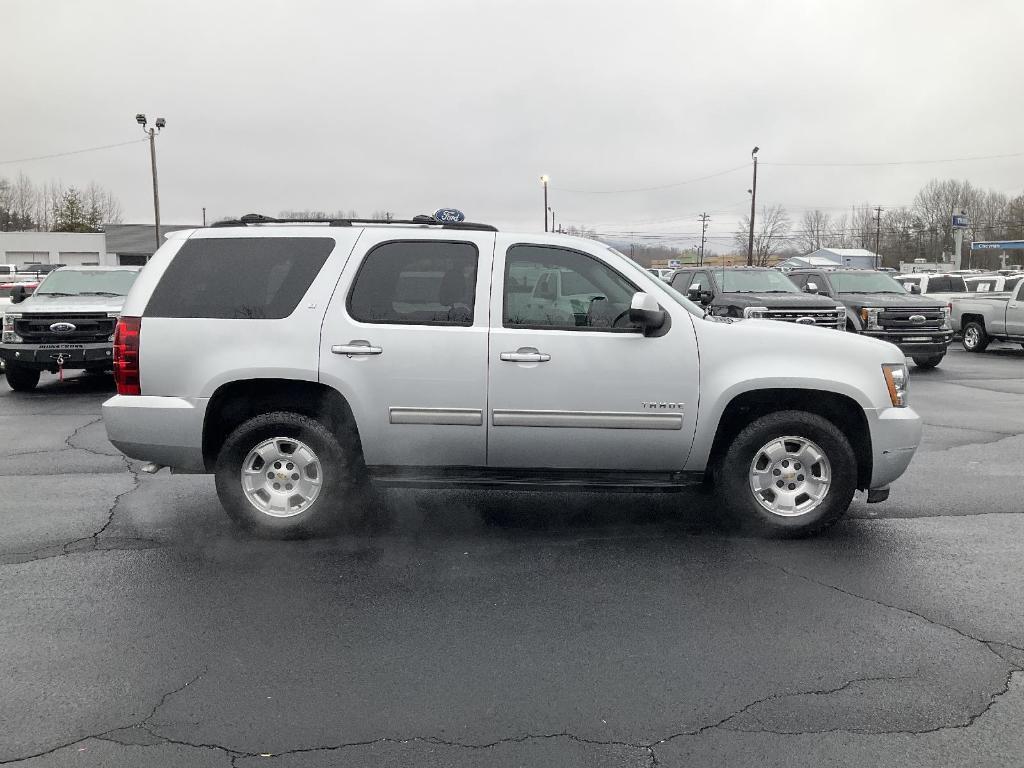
753, 204
544, 180
878, 235
204, 215
152, 132
704, 219
552, 219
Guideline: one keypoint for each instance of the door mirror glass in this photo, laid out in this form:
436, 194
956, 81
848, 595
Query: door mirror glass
811, 288
645, 312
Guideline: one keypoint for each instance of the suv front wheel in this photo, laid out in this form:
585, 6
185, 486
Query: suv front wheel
789, 473
283, 475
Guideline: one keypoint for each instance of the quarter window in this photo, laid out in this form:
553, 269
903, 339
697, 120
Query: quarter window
239, 277
422, 282
549, 287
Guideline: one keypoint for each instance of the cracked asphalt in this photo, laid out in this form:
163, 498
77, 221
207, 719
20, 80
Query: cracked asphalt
137, 627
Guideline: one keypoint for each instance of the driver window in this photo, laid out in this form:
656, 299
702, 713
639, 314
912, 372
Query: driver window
556, 288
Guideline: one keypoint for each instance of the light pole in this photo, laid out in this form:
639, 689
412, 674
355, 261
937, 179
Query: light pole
753, 203
553, 227
544, 180
152, 132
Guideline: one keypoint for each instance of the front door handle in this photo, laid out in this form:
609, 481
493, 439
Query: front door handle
525, 355
356, 347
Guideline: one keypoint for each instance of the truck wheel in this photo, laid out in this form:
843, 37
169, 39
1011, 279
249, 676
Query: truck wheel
928, 362
975, 338
283, 475
20, 378
789, 473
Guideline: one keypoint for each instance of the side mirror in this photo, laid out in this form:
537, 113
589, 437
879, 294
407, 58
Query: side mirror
645, 312
915, 289
811, 288
693, 292
18, 294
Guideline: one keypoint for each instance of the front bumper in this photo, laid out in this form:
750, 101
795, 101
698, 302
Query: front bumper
921, 343
164, 430
52, 356
895, 435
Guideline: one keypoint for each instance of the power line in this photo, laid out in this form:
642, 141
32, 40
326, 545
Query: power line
72, 152
899, 162
651, 189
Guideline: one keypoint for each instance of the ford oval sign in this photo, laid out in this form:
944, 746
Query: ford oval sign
63, 327
449, 215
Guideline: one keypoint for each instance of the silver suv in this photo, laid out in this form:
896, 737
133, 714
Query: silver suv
297, 361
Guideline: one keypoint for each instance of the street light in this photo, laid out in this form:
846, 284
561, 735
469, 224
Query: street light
753, 203
544, 180
140, 118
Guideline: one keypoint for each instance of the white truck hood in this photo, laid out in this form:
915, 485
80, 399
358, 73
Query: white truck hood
37, 304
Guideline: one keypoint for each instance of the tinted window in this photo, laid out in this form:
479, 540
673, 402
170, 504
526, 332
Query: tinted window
798, 280
416, 283
946, 284
557, 288
681, 282
755, 281
239, 277
1011, 283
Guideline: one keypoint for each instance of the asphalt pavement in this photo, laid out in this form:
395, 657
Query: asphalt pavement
138, 627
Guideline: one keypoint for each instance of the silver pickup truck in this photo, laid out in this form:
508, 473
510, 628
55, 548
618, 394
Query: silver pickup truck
299, 361
66, 324
984, 318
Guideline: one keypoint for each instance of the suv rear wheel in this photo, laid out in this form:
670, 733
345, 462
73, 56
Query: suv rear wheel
789, 473
283, 475
20, 378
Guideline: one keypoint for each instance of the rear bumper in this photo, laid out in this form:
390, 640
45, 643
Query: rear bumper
921, 343
46, 356
895, 435
164, 430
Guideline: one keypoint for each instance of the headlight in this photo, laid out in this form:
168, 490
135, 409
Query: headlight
755, 312
869, 316
946, 312
841, 318
9, 336
896, 380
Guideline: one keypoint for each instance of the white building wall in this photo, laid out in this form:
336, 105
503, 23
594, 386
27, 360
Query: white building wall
55, 248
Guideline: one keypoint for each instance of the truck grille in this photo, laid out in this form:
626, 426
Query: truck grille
35, 329
822, 318
898, 319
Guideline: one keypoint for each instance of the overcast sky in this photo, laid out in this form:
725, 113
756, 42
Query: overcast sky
410, 106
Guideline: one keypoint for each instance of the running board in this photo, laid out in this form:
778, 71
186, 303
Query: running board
532, 480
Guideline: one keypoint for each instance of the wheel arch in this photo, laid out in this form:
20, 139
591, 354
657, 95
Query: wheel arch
840, 409
235, 402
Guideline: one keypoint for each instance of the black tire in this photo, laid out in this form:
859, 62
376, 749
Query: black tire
733, 475
341, 488
975, 338
20, 378
928, 362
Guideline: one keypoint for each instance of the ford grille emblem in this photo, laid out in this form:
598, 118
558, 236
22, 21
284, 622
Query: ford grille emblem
63, 327
805, 320
918, 319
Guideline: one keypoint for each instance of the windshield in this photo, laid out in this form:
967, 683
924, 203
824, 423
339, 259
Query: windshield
85, 282
864, 282
755, 281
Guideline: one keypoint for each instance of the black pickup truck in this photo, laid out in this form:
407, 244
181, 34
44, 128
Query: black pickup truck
878, 306
756, 292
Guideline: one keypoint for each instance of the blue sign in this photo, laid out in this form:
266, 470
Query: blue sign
961, 221
449, 215
998, 245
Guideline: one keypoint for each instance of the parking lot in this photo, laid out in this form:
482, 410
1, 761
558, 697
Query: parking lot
138, 627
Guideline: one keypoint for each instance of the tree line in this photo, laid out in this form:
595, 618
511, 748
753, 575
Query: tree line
922, 230
26, 206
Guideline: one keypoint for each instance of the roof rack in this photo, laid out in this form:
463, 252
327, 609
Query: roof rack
422, 219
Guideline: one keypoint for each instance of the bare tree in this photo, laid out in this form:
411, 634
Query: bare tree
814, 232
771, 232
23, 201
101, 204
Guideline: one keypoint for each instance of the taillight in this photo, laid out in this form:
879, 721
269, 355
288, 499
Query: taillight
126, 356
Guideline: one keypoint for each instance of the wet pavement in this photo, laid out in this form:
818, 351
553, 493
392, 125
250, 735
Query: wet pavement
138, 627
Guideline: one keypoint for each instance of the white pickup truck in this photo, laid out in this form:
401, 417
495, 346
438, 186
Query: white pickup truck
297, 361
984, 318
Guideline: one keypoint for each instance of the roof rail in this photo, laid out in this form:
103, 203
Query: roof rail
422, 219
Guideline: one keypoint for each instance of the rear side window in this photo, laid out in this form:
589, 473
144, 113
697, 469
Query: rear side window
416, 282
240, 277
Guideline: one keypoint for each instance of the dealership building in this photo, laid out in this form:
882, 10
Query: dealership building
118, 244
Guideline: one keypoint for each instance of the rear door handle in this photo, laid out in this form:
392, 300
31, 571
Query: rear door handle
356, 347
525, 355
